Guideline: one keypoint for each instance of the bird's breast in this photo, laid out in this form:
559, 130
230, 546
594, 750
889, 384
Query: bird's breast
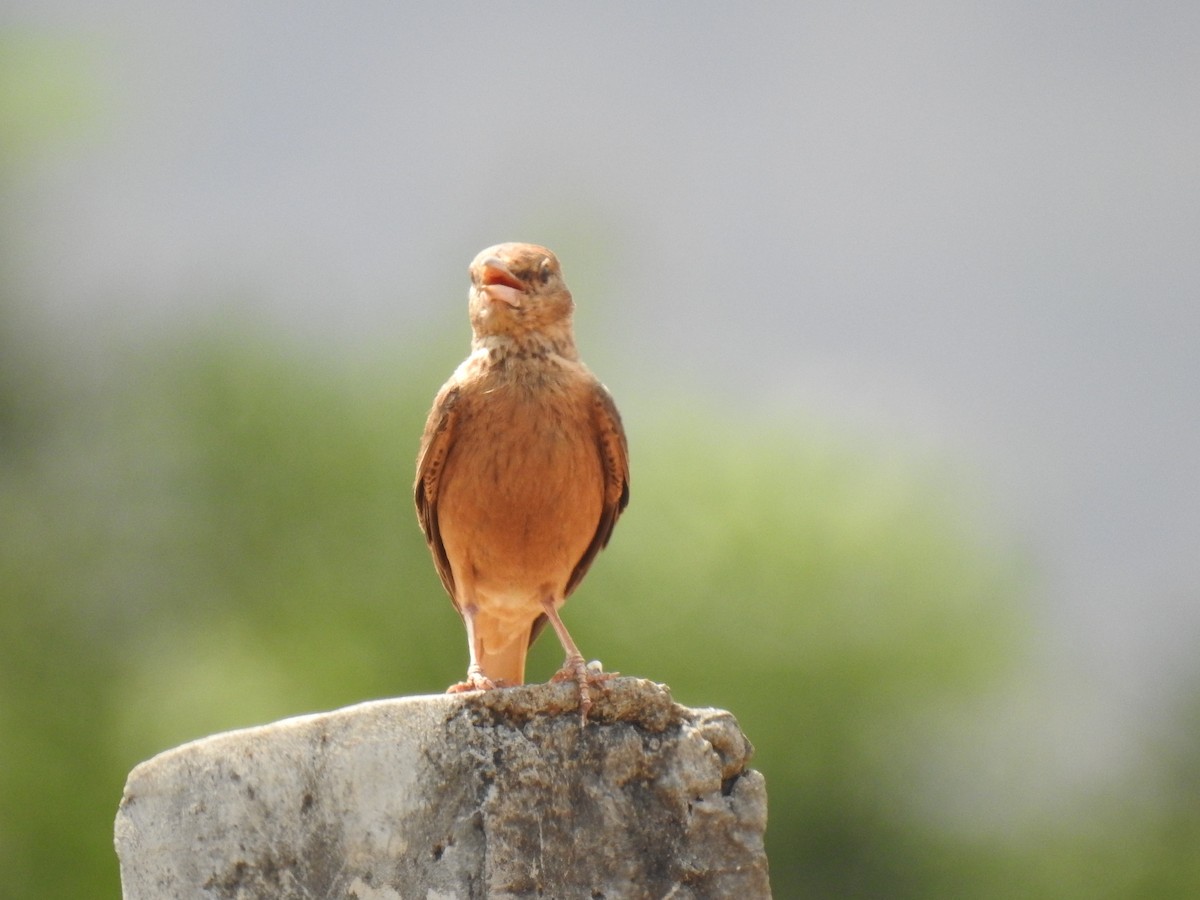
523, 483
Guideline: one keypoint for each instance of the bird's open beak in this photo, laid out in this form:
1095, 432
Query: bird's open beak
501, 284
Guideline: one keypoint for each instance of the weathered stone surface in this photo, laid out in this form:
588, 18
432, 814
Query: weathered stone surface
501, 794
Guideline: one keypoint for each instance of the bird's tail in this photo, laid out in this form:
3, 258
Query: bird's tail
502, 653
505, 664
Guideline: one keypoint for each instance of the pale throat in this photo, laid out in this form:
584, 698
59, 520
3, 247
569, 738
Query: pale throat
557, 340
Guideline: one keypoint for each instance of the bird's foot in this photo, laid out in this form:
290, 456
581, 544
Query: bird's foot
476, 681
585, 675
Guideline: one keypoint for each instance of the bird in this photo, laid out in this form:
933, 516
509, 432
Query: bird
522, 471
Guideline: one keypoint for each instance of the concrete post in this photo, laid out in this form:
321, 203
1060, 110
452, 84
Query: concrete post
495, 795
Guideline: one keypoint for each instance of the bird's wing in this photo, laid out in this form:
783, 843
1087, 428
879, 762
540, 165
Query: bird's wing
431, 460
614, 458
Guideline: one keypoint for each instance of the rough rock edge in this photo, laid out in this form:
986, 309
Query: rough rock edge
642, 705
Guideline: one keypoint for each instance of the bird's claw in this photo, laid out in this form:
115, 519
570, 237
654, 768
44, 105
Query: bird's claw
584, 675
476, 681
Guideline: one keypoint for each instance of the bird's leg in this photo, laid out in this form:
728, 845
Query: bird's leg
476, 680
574, 668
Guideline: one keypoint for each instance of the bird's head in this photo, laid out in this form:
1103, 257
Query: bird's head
517, 289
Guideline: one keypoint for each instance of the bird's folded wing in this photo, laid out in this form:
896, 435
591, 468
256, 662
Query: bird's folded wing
614, 458
431, 459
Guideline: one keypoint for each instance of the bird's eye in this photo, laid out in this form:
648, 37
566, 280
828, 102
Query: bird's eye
544, 271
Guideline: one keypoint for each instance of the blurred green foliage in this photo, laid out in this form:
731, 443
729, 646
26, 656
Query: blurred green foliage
220, 534
45, 92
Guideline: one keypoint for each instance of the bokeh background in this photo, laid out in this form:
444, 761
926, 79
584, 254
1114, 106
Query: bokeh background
900, 302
